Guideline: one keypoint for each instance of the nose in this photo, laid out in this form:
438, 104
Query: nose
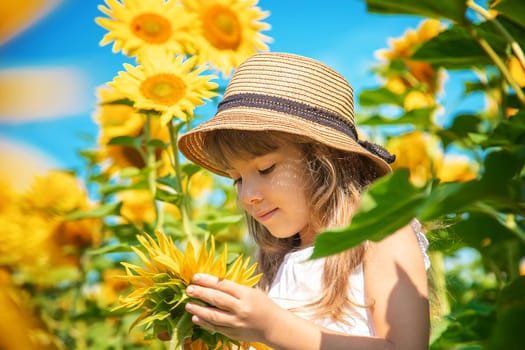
250, 192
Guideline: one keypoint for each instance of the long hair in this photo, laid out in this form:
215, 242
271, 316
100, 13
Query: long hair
334, 181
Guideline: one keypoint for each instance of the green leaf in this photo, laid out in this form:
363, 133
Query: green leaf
108, 189
492, 233
223, 222
508, 132
99, 212
469, 326
378, 97
512, 294
126, 141
168, 196
182, 330
121, 101
512, 9
190, 169
501, 166
508, 330
90, 155
125, 232
420, 117
455, 48
449, 198
157, 143
447, 9
114, 248
392, 203
169, 180
460, 129
452, 49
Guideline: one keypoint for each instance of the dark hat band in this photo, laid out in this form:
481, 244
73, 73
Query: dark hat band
305, 111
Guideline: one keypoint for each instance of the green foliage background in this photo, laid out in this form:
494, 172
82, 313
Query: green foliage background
481, 304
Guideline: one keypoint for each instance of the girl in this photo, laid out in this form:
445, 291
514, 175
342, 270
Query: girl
285, 134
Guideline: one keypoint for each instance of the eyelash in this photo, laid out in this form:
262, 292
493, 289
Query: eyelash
267, 170
262, 172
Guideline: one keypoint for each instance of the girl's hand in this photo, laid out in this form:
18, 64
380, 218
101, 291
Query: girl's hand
239, 312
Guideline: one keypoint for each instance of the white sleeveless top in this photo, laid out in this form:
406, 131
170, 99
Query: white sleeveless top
298, 283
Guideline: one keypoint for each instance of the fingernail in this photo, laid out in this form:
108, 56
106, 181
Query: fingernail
189, 306
190, 290
197, 277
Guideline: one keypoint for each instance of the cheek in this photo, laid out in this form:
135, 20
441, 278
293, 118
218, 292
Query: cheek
290, 178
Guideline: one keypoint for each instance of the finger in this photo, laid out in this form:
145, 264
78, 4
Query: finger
212, 327
210, 317
212, 296
221, 284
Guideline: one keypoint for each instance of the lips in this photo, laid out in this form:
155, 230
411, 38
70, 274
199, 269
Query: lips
264, 215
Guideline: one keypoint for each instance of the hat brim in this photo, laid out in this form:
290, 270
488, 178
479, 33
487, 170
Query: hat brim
258, 119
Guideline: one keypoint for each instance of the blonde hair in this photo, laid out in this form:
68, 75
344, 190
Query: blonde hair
334, 180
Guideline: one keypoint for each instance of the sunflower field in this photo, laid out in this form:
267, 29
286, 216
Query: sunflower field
100, 260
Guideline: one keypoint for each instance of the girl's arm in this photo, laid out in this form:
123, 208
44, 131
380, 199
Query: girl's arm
396, 285
395, 280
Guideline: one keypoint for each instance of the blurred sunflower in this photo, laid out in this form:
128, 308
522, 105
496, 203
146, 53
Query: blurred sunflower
117, 120
23, 235
419, 72
418, 152
159, 287
21, 327
35, 222
457, 168
201, 183
422, 155
230, 31
55, 193
169, 85
137, 206
135, 26
517, 71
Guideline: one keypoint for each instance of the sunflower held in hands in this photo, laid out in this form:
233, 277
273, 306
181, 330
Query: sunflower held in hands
159, 288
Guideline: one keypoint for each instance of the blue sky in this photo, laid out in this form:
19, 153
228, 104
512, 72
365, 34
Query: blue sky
63, 44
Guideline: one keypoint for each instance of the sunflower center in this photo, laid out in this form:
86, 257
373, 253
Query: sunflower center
166, 89
222, 28
151, 27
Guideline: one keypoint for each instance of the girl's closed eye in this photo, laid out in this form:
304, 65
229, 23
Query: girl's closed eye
268, 170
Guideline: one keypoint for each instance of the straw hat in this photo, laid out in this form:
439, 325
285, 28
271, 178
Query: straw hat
288, 93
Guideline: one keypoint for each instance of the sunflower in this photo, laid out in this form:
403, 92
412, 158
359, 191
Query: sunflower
419, 152
169, 85
159, 287
116, 120
403, 47
230, 31
457, 168
55, 194
138, 25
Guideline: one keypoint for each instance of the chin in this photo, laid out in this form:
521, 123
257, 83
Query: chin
282, 235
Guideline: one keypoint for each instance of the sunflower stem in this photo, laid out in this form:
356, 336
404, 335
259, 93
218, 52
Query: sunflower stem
490, 17
500, 65
184, 205
152, 171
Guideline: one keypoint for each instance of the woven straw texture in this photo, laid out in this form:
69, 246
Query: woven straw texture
278, 77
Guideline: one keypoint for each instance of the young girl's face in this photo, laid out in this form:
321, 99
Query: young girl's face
271, 188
